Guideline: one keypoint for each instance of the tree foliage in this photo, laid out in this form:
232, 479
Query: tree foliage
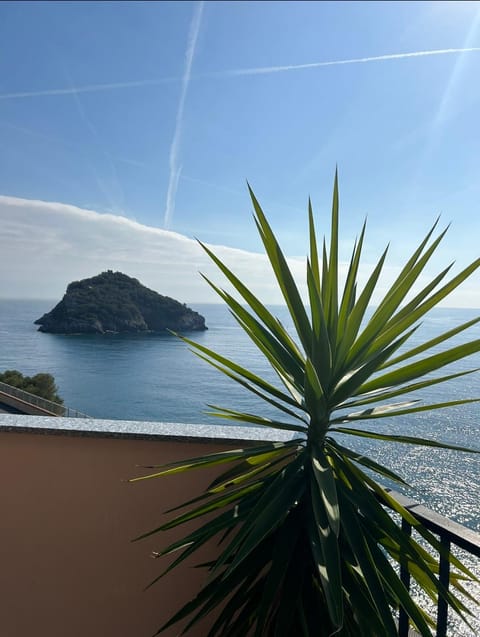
42, 384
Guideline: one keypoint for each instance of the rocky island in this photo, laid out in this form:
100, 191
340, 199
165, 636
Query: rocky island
113, 302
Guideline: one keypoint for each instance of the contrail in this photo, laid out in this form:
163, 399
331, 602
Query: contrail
89, 88
263, 70
260, 70
175, 169
93, 88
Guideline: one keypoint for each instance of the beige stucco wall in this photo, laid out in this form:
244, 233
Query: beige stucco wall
67, 565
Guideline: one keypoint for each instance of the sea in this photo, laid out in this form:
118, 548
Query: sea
156, 377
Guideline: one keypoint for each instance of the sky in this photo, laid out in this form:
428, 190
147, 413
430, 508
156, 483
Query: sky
128, 130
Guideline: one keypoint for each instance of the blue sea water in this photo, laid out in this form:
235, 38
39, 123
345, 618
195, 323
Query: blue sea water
157, 378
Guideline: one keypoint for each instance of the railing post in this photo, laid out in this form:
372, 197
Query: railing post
444, 573
405, 578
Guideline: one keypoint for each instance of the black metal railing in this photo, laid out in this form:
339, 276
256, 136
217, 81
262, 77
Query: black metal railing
449, 533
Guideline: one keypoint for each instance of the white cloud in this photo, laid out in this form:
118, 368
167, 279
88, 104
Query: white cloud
44, 246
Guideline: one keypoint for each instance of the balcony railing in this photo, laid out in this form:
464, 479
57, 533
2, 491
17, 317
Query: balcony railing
27, 399
449, 533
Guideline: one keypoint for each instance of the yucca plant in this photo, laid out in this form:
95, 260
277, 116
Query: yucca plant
305, 543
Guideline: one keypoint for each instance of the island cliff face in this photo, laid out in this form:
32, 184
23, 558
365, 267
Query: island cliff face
114, 302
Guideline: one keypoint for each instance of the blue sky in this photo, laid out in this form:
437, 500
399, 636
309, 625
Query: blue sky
159, 112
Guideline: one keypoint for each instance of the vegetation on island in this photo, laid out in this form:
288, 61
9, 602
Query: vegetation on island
115, 302
42, 385
306, 544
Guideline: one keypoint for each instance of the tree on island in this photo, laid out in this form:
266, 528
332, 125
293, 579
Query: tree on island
42, 385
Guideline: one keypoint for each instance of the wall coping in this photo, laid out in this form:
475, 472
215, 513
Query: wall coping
140, 430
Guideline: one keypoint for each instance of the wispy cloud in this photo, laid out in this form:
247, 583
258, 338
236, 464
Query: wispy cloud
264, 70
175, 169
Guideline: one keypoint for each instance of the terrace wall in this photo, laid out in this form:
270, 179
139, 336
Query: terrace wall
68, 566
